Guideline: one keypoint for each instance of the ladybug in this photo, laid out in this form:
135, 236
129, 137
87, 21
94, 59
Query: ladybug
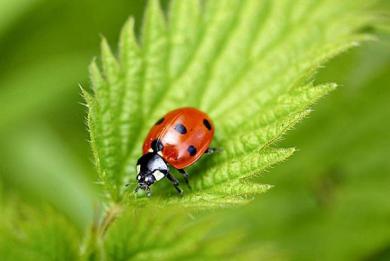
177, 140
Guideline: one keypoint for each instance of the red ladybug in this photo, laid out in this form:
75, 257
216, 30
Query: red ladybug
177, 140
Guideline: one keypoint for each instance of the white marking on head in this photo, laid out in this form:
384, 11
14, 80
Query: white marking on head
138, 168
158, 175
138, 177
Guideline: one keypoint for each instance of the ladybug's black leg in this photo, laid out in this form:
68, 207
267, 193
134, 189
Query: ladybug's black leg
147, 190
212, 150
185, 176
175, 182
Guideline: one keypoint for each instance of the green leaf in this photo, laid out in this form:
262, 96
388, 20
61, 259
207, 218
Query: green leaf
248, 64
331, 200
169, 234
38, 233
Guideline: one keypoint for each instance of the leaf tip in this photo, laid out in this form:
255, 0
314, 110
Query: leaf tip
105, 47
153, 5
127, 40
127, 31
95, 75
93, 67
332, 86
287, 152
154, 16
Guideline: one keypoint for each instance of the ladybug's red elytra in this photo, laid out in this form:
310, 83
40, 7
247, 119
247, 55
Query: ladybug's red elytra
177, 140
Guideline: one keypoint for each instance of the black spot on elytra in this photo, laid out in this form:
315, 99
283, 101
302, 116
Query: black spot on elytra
207, 124
180, 128
157, 145
192, 150
159, 121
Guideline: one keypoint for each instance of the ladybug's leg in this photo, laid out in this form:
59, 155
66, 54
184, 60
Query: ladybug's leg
185, 176
147, 190
212, 150
175, 182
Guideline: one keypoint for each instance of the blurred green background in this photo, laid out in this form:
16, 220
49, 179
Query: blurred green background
331, 199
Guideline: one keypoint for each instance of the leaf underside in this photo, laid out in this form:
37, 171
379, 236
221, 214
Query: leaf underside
248, 64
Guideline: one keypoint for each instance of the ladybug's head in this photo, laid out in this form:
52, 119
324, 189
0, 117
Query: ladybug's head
150, 168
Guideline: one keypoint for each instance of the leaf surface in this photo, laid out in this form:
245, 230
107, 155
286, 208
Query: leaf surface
248, 64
